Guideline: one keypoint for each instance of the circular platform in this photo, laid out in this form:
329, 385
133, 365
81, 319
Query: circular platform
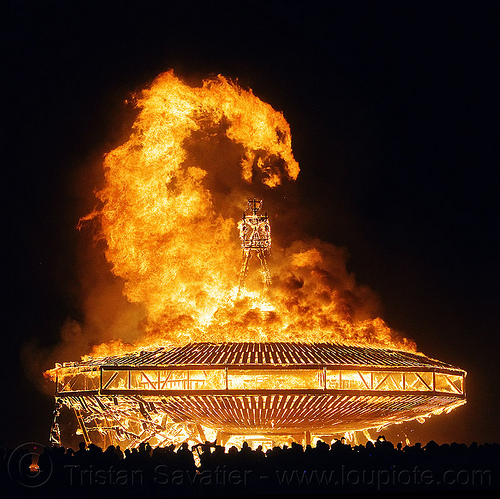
255, 388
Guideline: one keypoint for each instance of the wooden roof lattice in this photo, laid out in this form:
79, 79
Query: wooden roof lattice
267, 355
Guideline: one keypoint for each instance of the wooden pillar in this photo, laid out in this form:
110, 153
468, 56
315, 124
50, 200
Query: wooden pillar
307, 437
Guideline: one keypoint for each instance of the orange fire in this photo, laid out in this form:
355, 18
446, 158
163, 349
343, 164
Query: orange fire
168, 212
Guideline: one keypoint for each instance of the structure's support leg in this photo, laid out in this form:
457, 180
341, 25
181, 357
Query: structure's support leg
85, 433
55, 433
244, 270
266, 275
307, 437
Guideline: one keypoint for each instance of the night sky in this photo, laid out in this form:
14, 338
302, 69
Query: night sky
394, 120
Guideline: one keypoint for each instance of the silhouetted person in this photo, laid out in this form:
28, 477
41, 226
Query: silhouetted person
45, 462
185, 458
119, 452
81, 454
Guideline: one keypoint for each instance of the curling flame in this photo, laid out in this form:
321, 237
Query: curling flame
171, 199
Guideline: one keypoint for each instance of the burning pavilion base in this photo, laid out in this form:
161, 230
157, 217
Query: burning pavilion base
267, 391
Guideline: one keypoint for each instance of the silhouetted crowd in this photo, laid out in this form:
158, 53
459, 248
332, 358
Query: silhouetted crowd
211, 469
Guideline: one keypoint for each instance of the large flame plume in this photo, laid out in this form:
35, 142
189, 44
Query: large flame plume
168, 212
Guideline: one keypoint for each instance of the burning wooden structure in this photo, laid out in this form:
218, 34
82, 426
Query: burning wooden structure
269, 390
205, 390
212, 372
255, 236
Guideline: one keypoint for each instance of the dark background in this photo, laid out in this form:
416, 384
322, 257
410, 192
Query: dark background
394, 119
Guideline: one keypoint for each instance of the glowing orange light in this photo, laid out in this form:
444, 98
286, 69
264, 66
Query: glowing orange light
177, 249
